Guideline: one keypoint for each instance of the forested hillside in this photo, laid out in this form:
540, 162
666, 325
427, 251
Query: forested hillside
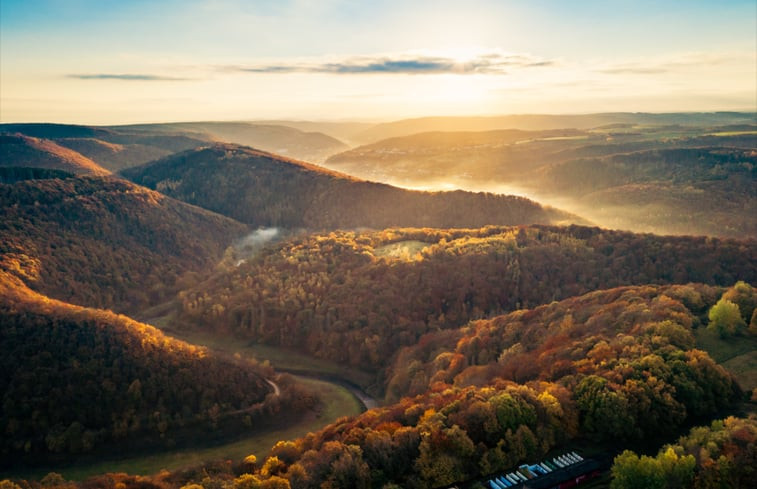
611, 366
700, 190
103, 242
723, 454
492, 330
17, 150
112, 149
266, 190
13, 174
357, 297
77, 379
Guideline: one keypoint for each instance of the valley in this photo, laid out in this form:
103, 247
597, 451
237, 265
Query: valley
179, 308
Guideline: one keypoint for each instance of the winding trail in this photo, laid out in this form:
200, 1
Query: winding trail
276, 390
357, 392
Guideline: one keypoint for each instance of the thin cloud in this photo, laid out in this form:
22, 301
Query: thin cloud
125, 77
633, 70
665, 65
487, 63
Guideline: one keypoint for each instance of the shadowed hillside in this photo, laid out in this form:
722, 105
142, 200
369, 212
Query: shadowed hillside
104, 242
13, 174
77, 379
266, 190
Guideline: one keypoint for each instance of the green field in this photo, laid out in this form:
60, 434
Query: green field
737, 354
722, 350
744, 368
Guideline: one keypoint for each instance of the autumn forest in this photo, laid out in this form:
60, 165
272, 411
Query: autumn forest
183, 308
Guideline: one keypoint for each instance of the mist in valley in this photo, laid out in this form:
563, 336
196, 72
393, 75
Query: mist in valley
528, 230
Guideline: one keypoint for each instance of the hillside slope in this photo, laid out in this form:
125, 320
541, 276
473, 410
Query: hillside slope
76, 379
102, 242
684, 191
111, 149
678, 179
356, 297
262, 189
613, 368
17, 150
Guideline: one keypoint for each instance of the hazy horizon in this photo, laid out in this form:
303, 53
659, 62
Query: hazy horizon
362, 120
143, 62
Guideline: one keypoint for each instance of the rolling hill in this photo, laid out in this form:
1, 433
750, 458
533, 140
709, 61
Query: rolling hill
109, 148
262, 189
312, 146
540, 122
458, 158
104, 242
683, 191
357, 297
78, 379
478, 159
612, 368
343, 131
494, 336
17, 150
665, 179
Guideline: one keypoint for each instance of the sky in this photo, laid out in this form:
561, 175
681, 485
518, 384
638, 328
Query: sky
114, 61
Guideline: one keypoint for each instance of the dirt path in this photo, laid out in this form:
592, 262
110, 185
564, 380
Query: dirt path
276, 390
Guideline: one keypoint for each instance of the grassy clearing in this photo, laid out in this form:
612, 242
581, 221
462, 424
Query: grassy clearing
737, 354
401, 250
744, 368
337, 402
722, 350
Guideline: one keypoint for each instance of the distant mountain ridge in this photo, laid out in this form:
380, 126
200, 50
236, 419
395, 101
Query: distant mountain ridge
539, 122
108, 148
262, 189
312, 146
19, 150
667, 179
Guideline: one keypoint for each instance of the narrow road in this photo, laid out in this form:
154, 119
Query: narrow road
276, 390
366, 400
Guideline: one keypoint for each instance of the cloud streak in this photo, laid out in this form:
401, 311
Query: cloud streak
488, 63
666, 65
634, 70
125, 77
